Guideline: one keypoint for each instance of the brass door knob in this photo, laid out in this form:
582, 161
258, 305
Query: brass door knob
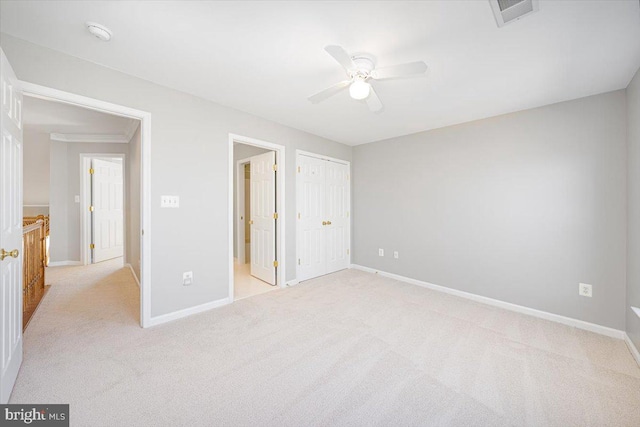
324, 222
328, 222
3, 254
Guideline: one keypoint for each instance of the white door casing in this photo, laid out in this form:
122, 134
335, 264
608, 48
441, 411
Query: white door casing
263, 221
108, 215
10, 228
323, 229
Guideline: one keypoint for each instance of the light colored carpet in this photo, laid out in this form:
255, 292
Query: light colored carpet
348, 349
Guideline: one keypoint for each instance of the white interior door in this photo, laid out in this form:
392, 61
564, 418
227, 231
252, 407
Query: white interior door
336, 213
10, 229
263, 217
323, 230
108, 216
311, 200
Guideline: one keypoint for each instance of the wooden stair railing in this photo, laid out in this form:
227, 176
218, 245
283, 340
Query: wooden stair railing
33, 263
28, 220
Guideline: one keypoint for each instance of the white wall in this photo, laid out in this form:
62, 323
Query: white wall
633, 216
189, 158
36, 167
520, 208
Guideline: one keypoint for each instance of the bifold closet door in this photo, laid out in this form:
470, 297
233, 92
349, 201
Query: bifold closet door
310, 200
323, 217
336, 214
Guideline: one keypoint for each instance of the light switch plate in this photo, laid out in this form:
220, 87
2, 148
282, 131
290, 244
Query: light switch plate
169, 201
187, 278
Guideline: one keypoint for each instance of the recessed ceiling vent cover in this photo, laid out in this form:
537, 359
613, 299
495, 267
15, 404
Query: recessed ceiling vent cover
506, 11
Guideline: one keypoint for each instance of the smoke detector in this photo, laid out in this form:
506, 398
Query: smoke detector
100, 31
507, 11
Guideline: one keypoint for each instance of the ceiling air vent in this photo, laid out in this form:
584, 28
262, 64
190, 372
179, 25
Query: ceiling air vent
506, 11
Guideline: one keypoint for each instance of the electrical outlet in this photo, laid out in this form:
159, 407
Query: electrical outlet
76, 199
187, 278
585, 290
396, 255
169, 201
380, 252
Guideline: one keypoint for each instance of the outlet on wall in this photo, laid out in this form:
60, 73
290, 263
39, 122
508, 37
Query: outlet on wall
585, 290
380, 252
187, 278
396, 255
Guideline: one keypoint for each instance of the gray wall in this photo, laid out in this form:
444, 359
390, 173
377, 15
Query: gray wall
58, 203
520, 207
132, 212
189, 158
243, 151
633, 217
36, 167
65, 185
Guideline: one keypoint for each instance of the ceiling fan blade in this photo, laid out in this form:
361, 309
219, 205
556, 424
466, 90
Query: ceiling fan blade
340, 55
373, 101
402, 70
329, 92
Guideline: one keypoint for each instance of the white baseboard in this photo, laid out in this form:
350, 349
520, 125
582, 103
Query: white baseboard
63, 263
581, 324
133, 273
292, 282
164, 318
632, 348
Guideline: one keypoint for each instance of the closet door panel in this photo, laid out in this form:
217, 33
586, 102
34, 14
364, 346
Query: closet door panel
310, 215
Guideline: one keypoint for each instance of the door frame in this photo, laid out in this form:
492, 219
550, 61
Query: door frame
43, 92
85, 200
240, 208
331, 159
280, 205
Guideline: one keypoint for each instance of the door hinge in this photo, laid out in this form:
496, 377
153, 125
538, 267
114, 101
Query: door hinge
347, 177
275, 215
347, 251
91, 209
275, 263
91, 171
298, 261
298, 169
275, 168
347, 214
92, 246
298, 215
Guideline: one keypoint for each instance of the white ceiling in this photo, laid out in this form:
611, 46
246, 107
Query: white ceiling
267, 57
45, 116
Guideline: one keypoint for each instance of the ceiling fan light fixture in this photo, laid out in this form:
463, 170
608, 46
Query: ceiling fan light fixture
359, 89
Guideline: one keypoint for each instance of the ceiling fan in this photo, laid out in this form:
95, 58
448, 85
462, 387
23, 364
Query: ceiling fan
361, 70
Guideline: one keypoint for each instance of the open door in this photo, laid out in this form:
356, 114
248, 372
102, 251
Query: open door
107, 220
263, 217
10, 229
